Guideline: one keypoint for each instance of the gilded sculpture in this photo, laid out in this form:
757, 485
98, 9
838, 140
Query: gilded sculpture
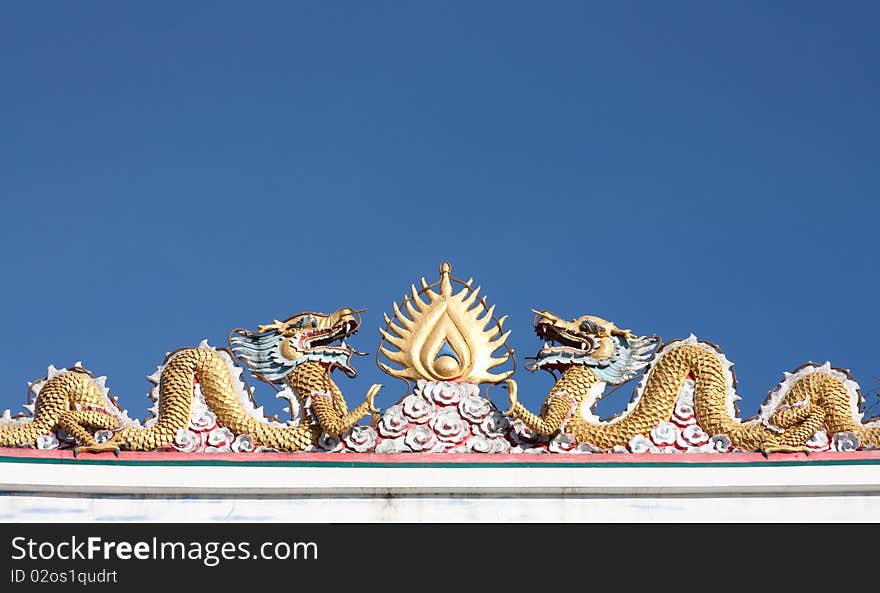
300, 352
445, 336
592, 353
446, 343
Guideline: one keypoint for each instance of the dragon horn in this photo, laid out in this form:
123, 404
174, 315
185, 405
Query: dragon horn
626, 333
274, 325
547, 314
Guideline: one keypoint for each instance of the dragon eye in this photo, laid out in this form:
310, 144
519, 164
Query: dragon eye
588, 327
314, 322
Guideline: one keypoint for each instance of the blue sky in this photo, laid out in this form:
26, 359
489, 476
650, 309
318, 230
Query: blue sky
169, 171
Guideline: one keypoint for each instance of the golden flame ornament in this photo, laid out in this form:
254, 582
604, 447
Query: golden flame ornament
445, 336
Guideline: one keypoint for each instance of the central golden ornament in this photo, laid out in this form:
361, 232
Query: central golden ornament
445, 336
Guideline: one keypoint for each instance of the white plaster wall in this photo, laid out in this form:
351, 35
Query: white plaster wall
505, 493
439, 509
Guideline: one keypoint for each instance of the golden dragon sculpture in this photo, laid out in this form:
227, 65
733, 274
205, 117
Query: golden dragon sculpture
300, 352
591, 353
445, 343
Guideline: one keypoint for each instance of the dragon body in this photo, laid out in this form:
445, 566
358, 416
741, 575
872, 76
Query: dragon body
71, 400
592, 353
298, 353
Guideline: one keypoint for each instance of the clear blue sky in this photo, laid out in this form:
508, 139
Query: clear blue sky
169, 171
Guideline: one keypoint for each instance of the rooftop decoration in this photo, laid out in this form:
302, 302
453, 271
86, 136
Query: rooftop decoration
200, 402
447, 337
445, 341
686, 397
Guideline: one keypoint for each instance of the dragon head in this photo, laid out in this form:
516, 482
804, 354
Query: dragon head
277, 348
615, 355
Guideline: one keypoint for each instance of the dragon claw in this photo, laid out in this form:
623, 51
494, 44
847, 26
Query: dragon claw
767, 448
512, 399
107, 447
